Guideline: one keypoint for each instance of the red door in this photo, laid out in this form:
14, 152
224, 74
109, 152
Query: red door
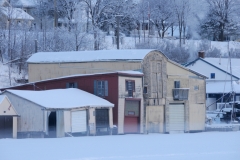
131, 124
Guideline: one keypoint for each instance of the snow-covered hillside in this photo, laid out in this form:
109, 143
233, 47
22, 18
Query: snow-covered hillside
187, 146
4, 75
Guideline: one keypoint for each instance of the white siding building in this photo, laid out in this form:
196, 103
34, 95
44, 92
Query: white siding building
58, 112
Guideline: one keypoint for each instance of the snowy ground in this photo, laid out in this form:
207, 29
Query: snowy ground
188, 146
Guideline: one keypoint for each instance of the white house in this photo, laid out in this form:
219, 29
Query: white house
59, 112
220, 78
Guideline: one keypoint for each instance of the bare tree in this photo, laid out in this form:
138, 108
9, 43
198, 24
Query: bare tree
97, 10
162, 15
221, 20
182, 10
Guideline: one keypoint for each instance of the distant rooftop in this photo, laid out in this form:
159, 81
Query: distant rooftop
15, 13
88, 56
24, 3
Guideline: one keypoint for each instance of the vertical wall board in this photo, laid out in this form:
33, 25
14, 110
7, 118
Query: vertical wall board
155, 119
14, 127
196, 117
46, 122
110, 118
67, 121
187, 114
60, 123
92, 121
121, 104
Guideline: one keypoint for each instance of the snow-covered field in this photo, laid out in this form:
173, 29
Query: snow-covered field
188, 146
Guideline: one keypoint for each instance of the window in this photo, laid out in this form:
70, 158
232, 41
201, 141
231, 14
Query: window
212, 75
145, 89
130, 87
101, 88
71, 85
196, 88
176, 84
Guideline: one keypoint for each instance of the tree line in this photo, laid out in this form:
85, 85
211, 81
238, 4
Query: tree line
74, 25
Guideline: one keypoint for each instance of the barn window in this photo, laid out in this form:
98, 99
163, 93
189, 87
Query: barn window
212, 75
71, 85
145, 90
101, 88
176, 84
196, 88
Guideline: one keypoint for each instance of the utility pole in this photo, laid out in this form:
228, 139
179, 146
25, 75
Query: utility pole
233, 94
55, 14
148, 22
118, 23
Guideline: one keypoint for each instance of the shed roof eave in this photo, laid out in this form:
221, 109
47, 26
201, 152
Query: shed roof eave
81, 107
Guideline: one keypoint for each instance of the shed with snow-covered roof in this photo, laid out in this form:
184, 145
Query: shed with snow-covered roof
8, 118
59, 112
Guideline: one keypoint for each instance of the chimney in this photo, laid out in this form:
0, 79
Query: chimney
201, 54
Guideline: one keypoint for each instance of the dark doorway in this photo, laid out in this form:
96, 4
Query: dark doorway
52, 125
102, 121
6, 127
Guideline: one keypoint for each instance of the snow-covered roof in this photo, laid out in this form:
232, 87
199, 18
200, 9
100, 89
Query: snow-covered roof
62, 98
222, 87
15, 13
87, 56
126, 73
24, 3
2, 98
224, 64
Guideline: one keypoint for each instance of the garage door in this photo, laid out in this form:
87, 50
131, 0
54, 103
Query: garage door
6, 127
176, 118
131, 118
79, 121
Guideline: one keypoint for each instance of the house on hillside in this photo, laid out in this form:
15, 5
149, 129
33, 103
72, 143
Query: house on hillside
8, 118
220, 79
59, 112
167, 87
13, 17
122, 88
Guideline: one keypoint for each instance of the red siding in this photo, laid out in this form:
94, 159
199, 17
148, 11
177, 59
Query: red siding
85, 83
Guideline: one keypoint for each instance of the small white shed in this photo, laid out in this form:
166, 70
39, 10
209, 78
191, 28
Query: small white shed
8, 118
59, 112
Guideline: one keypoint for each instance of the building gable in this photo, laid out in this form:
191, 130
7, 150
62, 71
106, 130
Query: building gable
208, 69
6, 108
